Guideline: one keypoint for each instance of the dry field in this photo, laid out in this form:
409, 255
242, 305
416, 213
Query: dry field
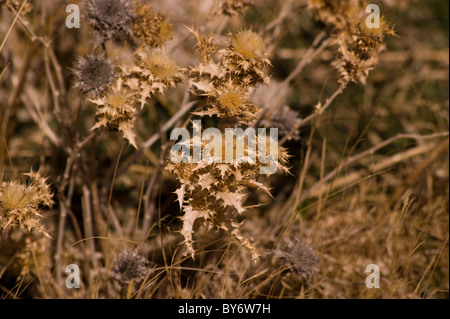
92, 204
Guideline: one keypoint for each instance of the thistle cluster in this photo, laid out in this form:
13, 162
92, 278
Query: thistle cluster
214, 190
358, 46
226, 84
120, 89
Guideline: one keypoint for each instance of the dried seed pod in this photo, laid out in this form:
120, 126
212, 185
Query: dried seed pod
128, 266
95, 73
110, 18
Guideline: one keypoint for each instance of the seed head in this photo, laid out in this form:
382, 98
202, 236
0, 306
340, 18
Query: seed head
248, 44
161, 66
109, 18
151, 28
230, 100
128, 266
95, 73
285, 119
234, 7
155, 73
300, 258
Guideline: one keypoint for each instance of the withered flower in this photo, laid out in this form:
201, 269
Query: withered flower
95, 73
128, 266
109, 18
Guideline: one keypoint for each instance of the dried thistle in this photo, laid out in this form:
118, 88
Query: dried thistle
20, 204
231, 101
110, 18
231, 7
116, 111
95, 73
358, 46
300, 258
285, 119
359, 54
150, 28
226, 84
153, 73
16, 4
205, 45
128, 266
245, 58
213, 191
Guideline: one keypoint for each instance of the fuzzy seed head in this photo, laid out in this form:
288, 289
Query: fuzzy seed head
95, 73
300, 258
128, 266
165, 30
248, 44
14, 197
230, 100
151, 28
109, 17
113, 13
161, 66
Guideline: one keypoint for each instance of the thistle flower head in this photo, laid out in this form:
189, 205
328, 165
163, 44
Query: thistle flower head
161, 66
151, 28
20, 203
155, 73
129, 266
233, 7
95, 73
245, 58
300, 258
248, 43
109, 18
117, 112
230, 100
285, 119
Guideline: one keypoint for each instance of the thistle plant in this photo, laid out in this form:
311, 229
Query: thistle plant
121, 91
153, 73
357, 45
116, 111
98, 106
213, 190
